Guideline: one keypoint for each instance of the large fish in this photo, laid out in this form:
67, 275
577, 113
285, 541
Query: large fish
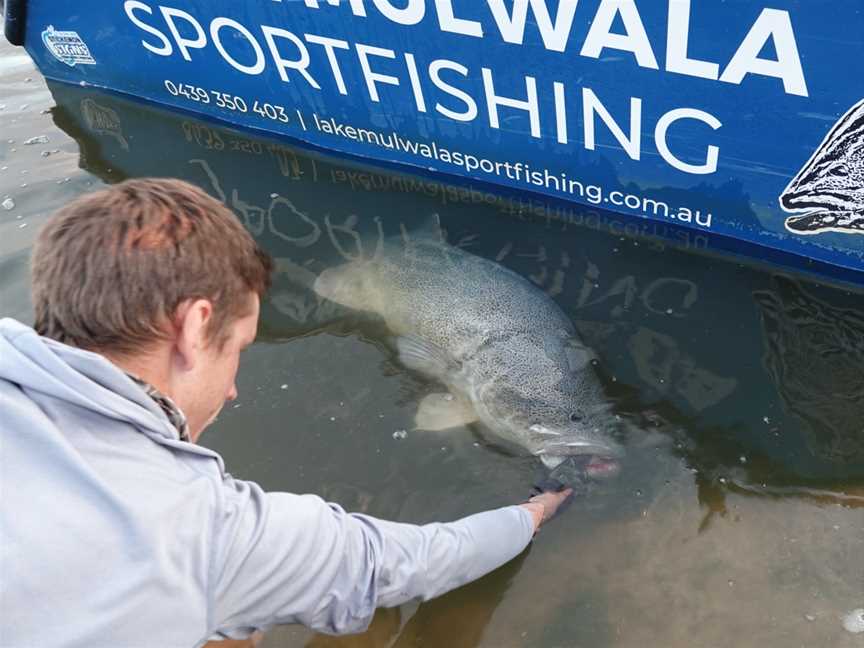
510, 358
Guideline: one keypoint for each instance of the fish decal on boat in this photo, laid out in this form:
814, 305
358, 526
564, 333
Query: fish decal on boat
830, 187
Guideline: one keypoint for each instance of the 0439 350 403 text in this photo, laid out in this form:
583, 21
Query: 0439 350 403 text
227, 101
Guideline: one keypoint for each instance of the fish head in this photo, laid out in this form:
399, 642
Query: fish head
578, 436
349, 284
554, 424
832, 181
541, 391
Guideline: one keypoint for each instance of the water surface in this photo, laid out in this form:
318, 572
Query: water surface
738, 519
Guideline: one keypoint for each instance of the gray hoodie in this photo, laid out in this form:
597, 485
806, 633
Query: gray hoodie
115, 532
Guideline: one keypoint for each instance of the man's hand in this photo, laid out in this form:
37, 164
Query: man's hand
543, 506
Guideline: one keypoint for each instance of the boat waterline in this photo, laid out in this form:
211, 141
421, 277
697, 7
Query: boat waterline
733, 120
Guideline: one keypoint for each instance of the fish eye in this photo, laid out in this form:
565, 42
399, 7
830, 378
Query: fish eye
576, 416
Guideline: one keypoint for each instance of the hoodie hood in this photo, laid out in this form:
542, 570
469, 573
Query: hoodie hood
79, 377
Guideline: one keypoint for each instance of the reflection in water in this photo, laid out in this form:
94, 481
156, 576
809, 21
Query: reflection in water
659, 361
814, 352
457, 620
384, 627
769, 574
102, 120
737, 518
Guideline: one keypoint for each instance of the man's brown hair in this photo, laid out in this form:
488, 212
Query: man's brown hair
110, 269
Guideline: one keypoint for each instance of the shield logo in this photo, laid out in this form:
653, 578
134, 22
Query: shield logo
67, 47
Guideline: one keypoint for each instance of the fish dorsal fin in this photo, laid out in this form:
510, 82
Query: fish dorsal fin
426, 232
424, 356
429, 229
444, 411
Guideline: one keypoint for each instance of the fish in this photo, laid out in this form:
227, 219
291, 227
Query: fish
509, 357
829, 188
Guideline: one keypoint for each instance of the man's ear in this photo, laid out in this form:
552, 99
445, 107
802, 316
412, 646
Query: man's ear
190, 323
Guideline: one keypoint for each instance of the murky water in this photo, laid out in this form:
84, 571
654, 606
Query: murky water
738, 519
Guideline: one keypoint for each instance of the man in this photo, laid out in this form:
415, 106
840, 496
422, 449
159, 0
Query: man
115, 528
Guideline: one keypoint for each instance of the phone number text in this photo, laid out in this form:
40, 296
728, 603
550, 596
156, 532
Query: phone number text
227, 101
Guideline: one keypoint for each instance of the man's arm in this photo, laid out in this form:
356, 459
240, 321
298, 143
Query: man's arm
283, 558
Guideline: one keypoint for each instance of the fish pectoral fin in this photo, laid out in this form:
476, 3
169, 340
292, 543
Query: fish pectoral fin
425, 357
444, 411
552, 461
578, 356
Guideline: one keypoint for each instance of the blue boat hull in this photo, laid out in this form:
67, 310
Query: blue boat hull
727, 117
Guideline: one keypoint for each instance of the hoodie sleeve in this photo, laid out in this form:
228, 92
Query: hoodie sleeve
282, 558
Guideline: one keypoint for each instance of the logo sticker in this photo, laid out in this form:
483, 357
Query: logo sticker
67, 46
830, 187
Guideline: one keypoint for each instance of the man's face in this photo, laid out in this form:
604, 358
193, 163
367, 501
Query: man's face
217, 371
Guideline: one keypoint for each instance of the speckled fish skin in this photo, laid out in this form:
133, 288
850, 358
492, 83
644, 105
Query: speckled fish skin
507, 347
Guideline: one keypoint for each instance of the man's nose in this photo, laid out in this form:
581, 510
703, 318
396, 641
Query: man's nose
232, 393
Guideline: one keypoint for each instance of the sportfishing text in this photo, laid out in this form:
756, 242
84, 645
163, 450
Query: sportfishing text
611, 32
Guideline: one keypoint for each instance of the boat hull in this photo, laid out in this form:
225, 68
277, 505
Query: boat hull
729, 118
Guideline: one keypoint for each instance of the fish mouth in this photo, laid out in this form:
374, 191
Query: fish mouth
815, 222
573, 470
590, 448
584, 458
602, 468
797, 201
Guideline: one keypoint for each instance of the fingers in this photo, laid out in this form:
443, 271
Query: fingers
552, 499
548, 485
551, 502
